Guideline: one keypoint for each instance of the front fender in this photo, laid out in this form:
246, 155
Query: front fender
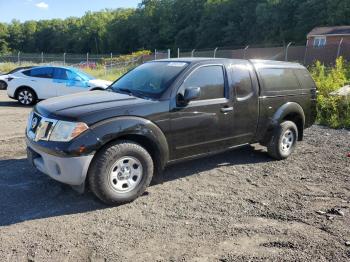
114, 128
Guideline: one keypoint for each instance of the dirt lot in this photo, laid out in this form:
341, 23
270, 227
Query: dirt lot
239, 205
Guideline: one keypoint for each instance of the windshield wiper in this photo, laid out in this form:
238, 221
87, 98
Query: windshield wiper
125, 90
130, 92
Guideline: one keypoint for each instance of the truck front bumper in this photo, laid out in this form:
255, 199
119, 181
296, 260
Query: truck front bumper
68, 170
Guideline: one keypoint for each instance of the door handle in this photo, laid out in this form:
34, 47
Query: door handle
226, 109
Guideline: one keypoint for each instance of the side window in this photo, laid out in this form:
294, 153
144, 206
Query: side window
279, 79
43, 72
320, 41
60, 73
305, 79
27, 72
211, 81
73, 76
242, 82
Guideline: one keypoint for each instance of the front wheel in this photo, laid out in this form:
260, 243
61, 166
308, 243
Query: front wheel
26, 96
283, 140
121, 172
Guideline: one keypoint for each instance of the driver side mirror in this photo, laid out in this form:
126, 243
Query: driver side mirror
192, 93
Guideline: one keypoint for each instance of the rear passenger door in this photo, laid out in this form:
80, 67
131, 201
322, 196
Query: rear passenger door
245, 89
205, 124
40, 79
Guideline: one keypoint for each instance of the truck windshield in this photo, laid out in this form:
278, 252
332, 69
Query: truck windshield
150, 79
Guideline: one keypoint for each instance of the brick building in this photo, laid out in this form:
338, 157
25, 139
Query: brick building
328, 36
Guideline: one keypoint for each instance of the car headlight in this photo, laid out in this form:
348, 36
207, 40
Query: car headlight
65, 131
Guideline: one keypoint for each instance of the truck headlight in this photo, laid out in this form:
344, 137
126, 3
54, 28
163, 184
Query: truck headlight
29, 120
65, 131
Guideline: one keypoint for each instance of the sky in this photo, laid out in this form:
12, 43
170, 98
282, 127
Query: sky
24, 10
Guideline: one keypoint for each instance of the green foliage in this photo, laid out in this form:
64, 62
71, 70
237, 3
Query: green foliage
126, 58
108, 74
7, 67
186, 24
333, 111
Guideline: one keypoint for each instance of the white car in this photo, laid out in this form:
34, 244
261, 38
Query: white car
38, 83
4, 77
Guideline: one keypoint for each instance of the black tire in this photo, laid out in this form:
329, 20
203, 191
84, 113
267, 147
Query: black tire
3, 85
26, 96
283, 140
100, 176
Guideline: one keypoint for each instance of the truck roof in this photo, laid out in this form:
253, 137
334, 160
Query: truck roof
258, 63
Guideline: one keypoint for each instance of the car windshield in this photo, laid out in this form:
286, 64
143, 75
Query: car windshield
150, 79
83, 75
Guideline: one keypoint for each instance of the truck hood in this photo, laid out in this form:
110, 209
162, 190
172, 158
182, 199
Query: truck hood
77, 106
99, 83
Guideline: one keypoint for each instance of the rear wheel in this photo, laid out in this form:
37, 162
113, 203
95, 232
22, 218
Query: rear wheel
26, 96
283, 141
121, 172
3, 85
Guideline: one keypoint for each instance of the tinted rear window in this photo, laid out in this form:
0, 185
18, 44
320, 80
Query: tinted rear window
278, 79
305, 79
241, 80
27, 72
43, 72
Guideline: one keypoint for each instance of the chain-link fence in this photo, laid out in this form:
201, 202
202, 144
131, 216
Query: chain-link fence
302, 54
57, 59
83, 60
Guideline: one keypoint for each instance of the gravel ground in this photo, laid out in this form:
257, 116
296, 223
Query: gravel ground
239, 205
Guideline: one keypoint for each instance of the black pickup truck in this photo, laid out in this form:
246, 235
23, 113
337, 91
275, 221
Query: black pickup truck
166, 111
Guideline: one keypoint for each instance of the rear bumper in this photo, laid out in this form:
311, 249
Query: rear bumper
10, 92
68, 170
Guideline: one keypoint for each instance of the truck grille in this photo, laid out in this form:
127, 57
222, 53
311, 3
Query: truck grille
39, 128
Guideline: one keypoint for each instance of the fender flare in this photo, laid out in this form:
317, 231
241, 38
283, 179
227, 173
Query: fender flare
285, 110
118, 127
289, 108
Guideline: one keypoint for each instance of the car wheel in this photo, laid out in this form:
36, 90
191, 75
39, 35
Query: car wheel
121, 172
283, 141
3, 85
26, 96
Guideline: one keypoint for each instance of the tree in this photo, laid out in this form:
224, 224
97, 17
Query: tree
3, 37
186, 24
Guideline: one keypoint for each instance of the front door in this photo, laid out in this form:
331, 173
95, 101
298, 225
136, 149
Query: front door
68, 82
205, 124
